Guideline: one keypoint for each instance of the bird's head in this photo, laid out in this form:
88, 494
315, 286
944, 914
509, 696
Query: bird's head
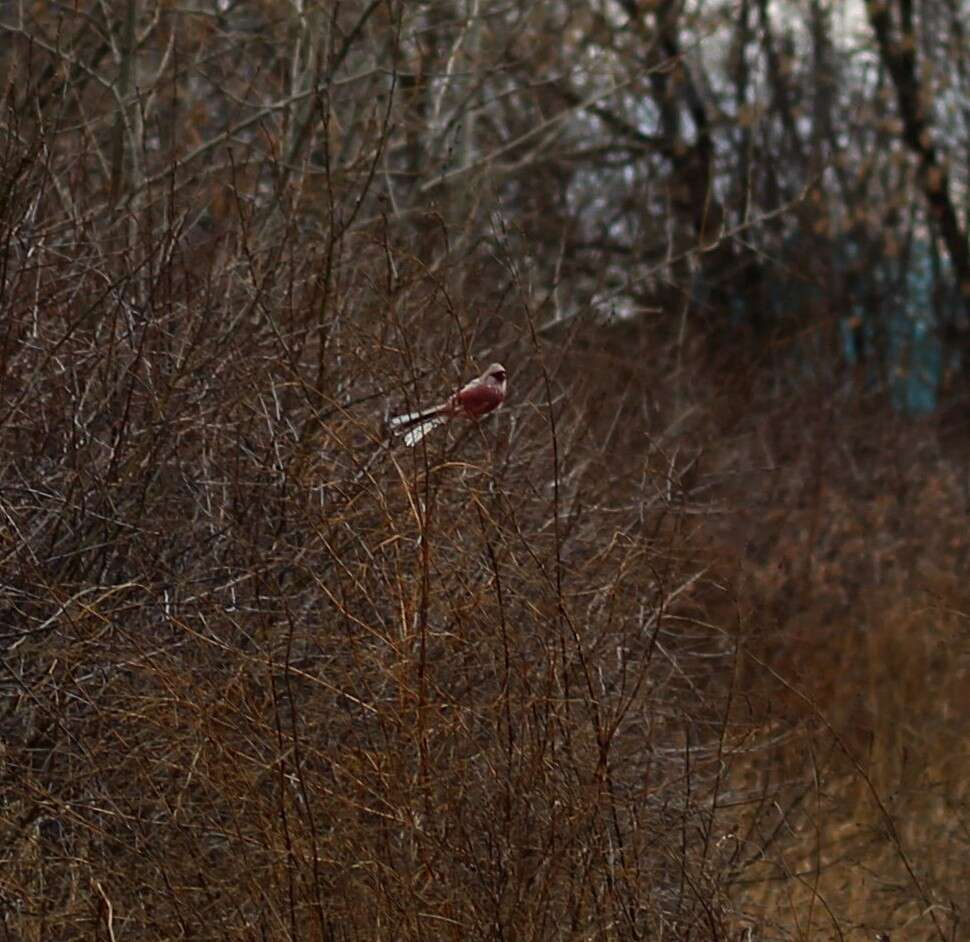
496, 373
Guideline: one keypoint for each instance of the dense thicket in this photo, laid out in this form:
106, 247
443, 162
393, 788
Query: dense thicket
675, 646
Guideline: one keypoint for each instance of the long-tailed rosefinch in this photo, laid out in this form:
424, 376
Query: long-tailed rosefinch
479, 397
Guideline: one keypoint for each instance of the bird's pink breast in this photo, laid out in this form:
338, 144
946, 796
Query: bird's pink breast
480, 400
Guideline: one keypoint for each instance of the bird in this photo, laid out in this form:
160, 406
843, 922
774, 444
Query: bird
474, 400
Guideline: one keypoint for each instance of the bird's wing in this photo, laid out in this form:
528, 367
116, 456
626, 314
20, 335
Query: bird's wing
409, 418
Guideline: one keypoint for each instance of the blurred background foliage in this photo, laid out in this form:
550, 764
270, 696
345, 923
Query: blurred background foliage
676, 646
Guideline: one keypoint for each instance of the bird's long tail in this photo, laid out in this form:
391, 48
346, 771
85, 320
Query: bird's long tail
415, 425
414, 434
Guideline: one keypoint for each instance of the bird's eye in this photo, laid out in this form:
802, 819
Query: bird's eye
499, 375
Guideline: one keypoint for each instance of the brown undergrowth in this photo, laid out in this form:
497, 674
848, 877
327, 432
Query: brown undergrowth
848, 543
630, 660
